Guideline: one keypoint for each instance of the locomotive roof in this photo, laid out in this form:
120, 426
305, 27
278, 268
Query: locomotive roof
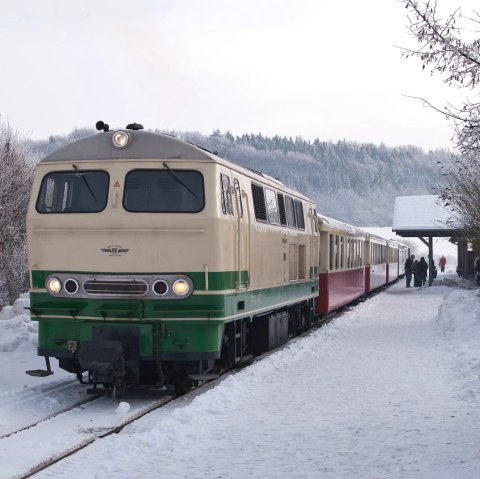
143, 145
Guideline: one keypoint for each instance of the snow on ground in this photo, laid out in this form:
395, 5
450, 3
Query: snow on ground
18, 350
389, 389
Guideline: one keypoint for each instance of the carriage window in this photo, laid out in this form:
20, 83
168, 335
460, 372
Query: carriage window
259, 203
227, 207
164, 191
73, 192
272, 208
342, 253
332, 252
337, 250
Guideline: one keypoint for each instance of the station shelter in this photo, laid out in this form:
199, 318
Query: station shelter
425, 217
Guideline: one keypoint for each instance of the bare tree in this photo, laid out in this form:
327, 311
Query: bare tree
445, 50
16, 173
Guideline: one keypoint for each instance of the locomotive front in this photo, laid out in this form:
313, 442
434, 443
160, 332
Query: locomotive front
120, 231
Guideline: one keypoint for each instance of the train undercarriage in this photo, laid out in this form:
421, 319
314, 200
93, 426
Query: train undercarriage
112, 365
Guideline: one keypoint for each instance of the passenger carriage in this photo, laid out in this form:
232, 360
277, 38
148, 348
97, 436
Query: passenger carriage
342, 264
376, 274
397, 255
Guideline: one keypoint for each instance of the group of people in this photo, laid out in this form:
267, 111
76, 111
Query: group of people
419, 269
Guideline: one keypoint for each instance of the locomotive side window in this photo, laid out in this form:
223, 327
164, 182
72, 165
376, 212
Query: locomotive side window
299, 214
259, 203
238, 197
281, 209
227, 207
291, 220
272, 208
73, 192
164, 191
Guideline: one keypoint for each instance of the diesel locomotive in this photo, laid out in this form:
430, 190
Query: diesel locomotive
155, 264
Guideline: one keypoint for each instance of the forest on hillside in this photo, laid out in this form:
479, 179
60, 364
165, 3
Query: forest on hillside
352, 182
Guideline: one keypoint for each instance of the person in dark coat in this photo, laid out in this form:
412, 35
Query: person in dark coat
416, 274
409, 269
422, 268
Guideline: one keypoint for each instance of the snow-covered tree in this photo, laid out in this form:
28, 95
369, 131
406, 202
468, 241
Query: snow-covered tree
450, 47
16, 173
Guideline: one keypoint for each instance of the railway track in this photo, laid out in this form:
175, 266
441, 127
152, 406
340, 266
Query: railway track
47, 442
30, 407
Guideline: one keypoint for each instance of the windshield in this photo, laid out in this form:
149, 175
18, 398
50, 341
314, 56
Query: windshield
73, 192
164, 191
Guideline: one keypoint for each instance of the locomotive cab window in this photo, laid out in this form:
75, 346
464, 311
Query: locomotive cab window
73, 192
164, 191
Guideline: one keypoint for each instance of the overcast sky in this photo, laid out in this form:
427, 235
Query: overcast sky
325, 69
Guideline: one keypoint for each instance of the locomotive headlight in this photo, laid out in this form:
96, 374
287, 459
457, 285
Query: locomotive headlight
54, 285
120, 139
180, 287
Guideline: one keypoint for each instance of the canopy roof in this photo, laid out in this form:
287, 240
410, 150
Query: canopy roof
423, 216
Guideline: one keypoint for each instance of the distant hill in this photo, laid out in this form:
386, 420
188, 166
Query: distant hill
352, 182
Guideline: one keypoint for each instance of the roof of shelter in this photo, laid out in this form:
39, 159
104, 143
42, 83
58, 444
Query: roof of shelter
423, 216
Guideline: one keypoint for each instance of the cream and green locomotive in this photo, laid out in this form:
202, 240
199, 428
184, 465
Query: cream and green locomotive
156, 263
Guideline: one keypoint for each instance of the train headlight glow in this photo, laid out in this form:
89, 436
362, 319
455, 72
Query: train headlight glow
181, 287
120, 139
54, 285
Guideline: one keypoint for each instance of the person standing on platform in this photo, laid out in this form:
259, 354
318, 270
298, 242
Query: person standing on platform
409, 269
416, 274
422, 268
442, 262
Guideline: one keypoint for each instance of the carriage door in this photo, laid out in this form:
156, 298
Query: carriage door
241, 238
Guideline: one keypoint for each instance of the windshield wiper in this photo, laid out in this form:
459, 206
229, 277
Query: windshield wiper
77, 171
177, 179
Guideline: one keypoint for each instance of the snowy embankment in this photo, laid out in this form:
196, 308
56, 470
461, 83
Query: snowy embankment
388, 389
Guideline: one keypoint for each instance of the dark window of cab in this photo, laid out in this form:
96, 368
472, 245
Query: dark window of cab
164, 191
73, 192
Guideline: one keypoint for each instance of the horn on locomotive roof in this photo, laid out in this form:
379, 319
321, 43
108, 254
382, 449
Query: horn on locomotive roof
134, 126
101, 126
